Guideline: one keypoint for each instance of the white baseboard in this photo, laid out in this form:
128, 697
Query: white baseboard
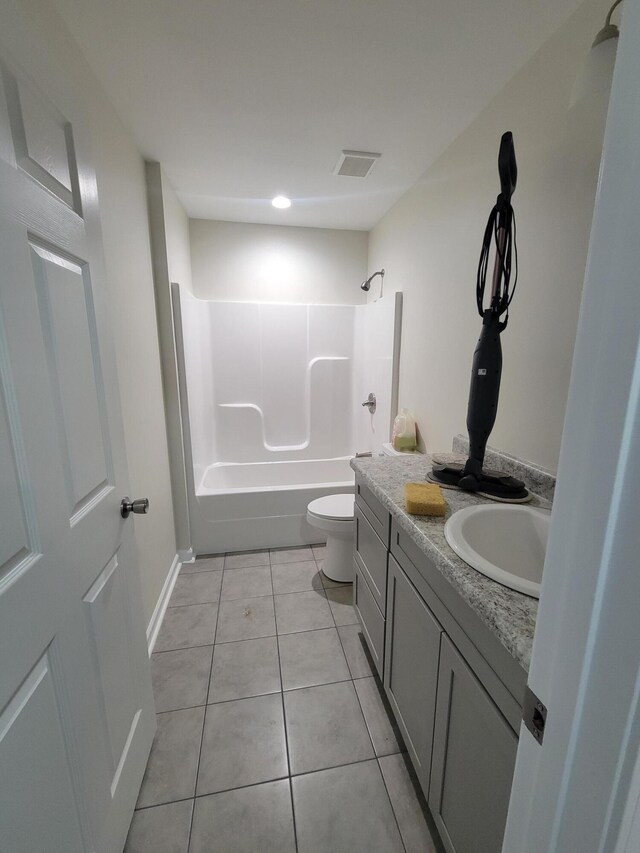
161, 605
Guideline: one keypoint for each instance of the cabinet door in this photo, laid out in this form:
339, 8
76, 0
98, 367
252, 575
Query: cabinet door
411, 667
473, 759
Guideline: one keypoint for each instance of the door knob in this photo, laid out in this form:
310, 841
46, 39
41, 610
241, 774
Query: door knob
140, 506
370, 403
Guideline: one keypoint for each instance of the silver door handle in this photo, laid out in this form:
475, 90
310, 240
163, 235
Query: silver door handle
140, 506
370, 403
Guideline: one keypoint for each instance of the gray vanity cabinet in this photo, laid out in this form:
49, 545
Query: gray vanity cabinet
454, 689
474, 753
413, 637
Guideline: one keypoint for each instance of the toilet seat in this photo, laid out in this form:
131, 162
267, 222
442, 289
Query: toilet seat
333, 507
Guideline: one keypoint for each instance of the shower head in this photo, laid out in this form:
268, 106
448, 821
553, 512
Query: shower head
366, 285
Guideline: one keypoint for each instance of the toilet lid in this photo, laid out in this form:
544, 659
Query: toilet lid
333, 506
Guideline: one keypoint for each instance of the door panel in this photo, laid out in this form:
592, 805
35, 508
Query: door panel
411, 667
42, 140
33, 754
68, 325
474, 756
75, 693
15, 543
109, 629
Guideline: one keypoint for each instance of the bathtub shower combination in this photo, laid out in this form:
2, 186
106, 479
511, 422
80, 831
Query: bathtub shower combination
271, 400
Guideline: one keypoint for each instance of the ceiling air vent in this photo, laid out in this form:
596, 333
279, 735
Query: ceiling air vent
355, 164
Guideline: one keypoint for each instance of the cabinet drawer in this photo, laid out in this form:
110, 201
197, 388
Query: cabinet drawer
371, 558
377, 516
371, 619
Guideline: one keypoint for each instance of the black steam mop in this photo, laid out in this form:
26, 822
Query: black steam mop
487, 358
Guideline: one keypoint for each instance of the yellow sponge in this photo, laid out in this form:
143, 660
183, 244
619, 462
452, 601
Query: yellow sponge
424, 499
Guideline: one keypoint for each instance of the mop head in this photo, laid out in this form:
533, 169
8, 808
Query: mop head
494, 485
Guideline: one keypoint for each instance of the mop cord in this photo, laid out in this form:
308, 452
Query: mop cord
502, 300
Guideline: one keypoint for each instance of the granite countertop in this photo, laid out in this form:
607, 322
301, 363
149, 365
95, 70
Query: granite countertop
510, 615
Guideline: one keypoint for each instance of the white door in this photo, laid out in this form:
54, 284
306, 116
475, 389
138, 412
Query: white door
76, 709
577, 790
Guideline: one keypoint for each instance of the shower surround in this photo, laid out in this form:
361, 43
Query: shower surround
270, 397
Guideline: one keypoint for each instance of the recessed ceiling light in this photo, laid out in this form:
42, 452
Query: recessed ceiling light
281, 202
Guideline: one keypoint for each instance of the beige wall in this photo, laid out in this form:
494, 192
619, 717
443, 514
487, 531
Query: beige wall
430, 241
130, 295
177, 237
235, 261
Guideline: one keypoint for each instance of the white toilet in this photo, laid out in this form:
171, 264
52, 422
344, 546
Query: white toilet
333, 515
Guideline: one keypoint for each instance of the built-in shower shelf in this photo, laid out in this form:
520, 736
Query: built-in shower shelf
307, 414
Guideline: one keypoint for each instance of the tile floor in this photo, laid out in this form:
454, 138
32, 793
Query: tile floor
272, 731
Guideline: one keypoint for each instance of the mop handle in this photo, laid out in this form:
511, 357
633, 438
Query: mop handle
508, 171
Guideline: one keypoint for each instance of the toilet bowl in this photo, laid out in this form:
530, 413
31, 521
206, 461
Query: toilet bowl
333, 515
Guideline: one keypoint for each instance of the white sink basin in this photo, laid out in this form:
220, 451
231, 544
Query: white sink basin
505, 542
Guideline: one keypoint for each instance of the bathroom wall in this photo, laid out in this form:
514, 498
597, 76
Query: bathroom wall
429, 244
235, 261
177, 237
130, 296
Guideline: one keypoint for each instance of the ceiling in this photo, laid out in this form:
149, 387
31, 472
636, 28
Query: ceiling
242, 100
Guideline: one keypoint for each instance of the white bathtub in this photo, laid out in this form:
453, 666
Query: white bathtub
233, 477
240, 506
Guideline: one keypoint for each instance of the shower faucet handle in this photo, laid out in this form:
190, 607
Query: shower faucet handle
370, 403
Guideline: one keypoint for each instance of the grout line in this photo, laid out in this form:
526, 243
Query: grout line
204, 721
244, 639
266, 637
186, 708
313, 686
263, 782
167, 803
354, 678
197, 604
192, 603
184, 649
364, 717
243, 597
284, 723
269, 692
242, 698
393, 811
334, 767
